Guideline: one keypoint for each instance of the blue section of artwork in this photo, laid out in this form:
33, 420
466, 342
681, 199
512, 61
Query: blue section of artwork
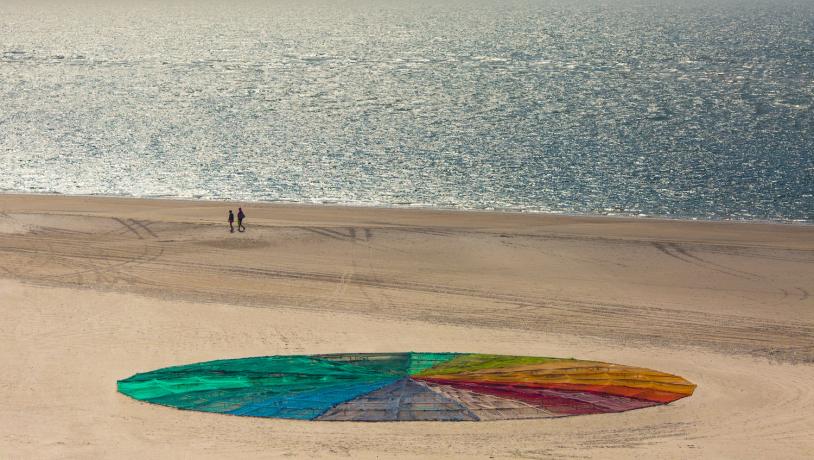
308, 404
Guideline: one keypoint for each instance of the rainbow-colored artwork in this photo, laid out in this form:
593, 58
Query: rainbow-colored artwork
406, 386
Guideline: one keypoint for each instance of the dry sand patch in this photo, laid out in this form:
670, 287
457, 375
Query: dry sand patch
94, 290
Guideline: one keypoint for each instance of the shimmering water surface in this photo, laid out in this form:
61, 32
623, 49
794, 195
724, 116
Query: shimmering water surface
680, 108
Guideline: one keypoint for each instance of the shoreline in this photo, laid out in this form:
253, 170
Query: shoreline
427, 208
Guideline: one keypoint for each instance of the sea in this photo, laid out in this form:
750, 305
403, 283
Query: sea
681, 109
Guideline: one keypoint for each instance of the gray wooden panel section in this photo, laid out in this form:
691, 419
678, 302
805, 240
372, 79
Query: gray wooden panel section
403, 400
489, 407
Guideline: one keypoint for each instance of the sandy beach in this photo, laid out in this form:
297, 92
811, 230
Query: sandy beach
96, 289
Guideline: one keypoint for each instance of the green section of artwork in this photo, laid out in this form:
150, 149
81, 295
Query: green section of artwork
476, 362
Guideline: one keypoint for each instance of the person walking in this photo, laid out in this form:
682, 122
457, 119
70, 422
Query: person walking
240, 217
231, 222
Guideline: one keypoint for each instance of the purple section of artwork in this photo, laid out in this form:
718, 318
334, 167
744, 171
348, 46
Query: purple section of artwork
560, 402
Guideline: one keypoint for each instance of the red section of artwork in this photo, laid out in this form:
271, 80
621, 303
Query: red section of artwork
533, 396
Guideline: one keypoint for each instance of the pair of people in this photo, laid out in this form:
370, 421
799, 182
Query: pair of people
240, 217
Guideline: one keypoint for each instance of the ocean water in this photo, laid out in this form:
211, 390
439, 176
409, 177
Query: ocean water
690, 109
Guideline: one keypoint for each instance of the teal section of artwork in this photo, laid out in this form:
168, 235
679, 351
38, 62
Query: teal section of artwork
422, 361
392, 364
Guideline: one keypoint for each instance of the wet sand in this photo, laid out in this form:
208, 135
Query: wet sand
95, 289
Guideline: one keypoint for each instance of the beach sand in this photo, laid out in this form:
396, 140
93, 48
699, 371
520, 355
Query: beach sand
96, 289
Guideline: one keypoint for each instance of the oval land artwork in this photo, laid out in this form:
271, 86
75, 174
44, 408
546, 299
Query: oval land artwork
406, 386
